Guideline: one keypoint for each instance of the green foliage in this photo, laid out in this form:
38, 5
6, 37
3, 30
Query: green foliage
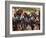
30, 9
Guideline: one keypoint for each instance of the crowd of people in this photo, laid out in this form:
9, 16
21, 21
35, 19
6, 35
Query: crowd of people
24, 21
